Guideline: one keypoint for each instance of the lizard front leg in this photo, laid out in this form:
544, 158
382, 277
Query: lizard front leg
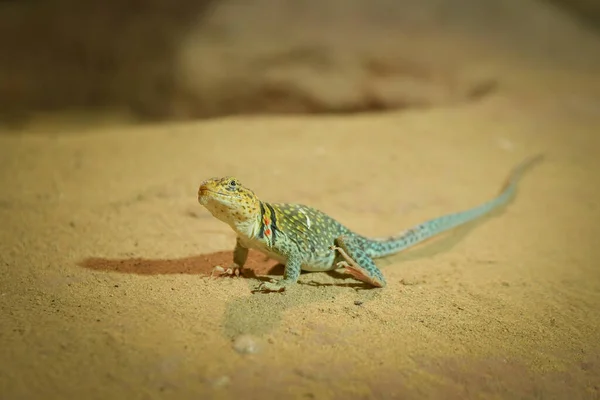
357, 262
240, 255
291, 274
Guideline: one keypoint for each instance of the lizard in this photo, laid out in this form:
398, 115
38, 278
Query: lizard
305, 238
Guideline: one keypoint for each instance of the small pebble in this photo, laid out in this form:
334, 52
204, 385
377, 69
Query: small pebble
358, 302
222, 381
246, 344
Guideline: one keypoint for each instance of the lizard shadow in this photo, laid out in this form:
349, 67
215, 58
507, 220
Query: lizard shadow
258, 314
257, 266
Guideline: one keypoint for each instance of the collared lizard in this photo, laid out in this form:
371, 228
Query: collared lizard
304, 238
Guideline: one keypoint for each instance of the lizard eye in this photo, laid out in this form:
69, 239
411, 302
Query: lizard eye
233, 184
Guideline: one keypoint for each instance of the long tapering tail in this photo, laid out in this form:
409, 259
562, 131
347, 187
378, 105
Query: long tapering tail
383, 247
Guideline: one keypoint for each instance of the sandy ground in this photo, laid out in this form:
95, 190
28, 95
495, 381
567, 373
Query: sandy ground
104, 253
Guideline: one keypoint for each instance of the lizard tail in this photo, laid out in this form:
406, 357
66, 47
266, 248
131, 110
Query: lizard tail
381, 247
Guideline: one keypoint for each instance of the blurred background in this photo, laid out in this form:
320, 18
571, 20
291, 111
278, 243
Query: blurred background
164, 59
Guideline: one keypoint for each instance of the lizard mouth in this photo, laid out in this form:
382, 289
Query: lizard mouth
203, 190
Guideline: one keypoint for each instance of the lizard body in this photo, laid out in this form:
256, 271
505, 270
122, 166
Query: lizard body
304, 238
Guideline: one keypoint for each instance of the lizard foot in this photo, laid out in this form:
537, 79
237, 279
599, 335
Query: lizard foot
272, 286
358, 273
232, 270
356, 262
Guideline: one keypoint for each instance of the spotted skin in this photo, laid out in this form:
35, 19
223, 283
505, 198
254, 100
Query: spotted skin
304, 238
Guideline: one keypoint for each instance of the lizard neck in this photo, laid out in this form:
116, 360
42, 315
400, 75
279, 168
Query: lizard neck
253, 227
248, 229
263, 227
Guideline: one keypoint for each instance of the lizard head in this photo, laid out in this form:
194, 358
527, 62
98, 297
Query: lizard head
229, 201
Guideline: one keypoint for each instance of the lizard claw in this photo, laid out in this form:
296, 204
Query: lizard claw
232, 270
272, 286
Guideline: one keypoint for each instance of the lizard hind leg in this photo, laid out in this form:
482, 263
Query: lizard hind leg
356, 261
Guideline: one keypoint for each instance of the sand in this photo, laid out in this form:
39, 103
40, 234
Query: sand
105, 254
